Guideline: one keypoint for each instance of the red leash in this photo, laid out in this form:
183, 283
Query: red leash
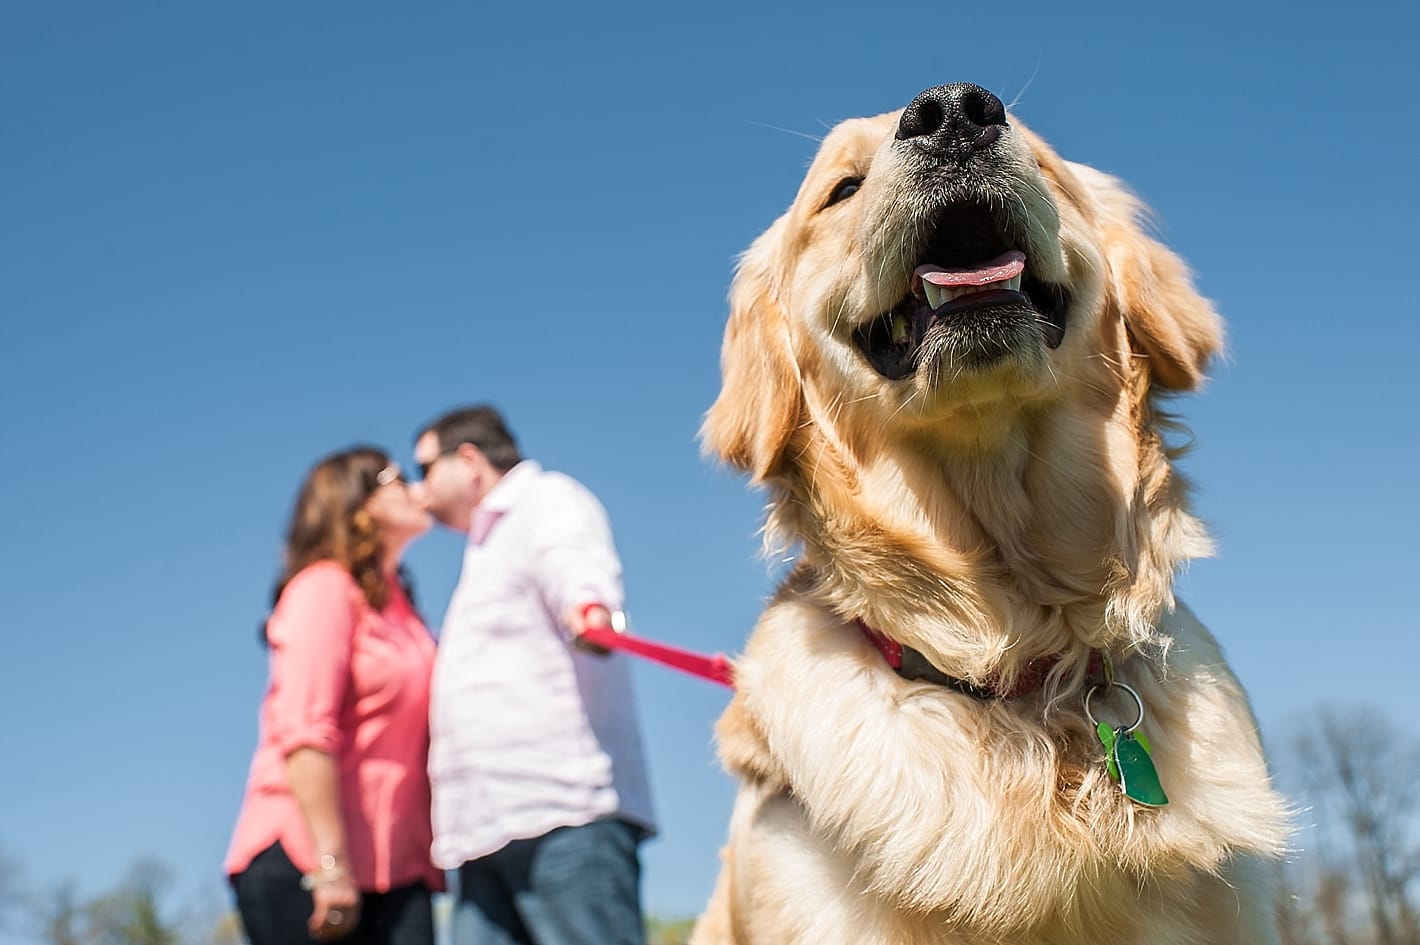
715, 668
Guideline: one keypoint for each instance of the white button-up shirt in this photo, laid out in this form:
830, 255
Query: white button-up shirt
528, 733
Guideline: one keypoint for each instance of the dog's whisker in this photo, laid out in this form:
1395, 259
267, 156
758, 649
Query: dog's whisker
1054, 377
843, 303
907, 401
1016, 99
787, 131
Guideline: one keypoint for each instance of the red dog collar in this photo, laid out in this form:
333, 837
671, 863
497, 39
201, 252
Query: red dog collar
910, 664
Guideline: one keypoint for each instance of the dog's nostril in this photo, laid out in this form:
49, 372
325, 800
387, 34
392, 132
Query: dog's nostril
981, 107
923, 117
959, 119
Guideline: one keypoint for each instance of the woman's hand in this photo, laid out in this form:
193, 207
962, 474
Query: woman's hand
314, 777
337, 908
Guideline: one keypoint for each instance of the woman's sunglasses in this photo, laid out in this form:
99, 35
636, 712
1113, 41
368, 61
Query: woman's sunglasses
389, 474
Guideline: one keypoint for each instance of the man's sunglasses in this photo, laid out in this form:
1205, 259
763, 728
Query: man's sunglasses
425, 467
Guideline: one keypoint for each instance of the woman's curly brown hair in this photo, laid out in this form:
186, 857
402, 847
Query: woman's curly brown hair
329, 523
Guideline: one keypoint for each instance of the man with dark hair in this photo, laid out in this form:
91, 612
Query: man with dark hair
539, 785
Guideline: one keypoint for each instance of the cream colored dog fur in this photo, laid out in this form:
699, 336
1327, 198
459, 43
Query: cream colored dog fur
979, 487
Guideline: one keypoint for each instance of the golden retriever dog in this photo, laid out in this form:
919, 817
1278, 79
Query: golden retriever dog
974, 712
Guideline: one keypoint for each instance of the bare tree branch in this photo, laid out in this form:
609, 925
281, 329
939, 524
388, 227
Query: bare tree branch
1362, 875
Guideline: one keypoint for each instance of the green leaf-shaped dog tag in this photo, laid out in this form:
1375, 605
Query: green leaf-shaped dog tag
1137, 774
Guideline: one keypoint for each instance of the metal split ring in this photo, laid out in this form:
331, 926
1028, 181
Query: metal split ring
335, 917
1138, 703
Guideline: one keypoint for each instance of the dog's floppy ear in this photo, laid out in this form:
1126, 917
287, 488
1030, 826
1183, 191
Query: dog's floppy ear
760, 394
1169, 323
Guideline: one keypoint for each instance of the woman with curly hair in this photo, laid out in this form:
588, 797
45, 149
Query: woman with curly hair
333, 836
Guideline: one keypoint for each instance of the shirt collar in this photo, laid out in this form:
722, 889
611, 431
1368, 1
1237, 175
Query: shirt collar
503, 496
514, 484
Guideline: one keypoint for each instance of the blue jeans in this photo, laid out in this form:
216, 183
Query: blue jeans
573, 886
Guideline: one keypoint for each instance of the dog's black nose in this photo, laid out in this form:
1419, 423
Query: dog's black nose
954, 120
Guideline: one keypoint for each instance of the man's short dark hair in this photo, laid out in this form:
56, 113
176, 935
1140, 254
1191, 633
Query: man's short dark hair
482, 426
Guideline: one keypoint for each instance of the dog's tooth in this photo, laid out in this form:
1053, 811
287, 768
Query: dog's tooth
934, 294
899, 328
1014, 283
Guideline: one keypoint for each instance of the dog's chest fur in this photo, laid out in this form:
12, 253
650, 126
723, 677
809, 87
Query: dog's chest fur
934, 808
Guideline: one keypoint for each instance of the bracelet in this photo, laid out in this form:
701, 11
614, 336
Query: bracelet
331, 870
616, 619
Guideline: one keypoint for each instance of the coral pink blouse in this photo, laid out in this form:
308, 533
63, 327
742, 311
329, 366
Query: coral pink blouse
352, 682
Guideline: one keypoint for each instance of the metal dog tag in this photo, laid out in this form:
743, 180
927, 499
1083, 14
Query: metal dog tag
1127, 756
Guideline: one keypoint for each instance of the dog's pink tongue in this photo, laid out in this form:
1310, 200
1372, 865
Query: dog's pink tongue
1008, 265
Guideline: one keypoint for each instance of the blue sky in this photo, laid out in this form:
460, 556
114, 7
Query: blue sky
236, 236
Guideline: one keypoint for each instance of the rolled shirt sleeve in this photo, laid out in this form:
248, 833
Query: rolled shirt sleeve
575, 555
311, 634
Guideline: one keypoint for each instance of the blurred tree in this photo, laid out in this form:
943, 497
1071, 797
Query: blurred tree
1359, 882
661, 931
11, 897
130, 915
227, 930
60, 918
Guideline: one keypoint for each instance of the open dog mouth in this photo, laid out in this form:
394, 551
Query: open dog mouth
972, 291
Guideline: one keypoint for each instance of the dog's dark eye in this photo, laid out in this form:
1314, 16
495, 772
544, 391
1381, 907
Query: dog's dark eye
846, 188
